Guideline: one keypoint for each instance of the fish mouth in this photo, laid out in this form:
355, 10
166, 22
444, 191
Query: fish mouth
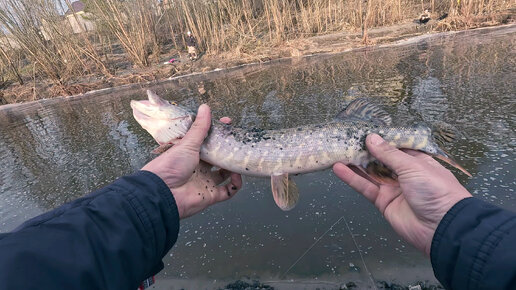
155, 108
141, 109
165, 121
147, 108
154, 99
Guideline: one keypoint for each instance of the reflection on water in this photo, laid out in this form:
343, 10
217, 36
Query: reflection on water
57, 150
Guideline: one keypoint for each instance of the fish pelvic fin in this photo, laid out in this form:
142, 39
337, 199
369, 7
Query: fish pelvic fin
284, 191
380, 173
377, 173
362, 110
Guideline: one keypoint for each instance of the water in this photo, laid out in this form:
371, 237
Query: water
54, 151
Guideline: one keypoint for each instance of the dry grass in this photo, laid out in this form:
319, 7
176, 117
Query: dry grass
54, 51
50, 51
133, 23
247, 25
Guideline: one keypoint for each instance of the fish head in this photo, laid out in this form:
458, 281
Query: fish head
165, 121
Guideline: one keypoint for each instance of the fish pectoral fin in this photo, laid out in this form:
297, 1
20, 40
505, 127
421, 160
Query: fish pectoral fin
380, 173
284, 191
363, 110
162, 148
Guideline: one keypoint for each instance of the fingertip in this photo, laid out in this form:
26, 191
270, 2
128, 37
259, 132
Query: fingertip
341, 170
230, 189
377, 146
236, 180
338, 167
374, 139
388, 154
225, 120
200, 127
203, 110
355, 180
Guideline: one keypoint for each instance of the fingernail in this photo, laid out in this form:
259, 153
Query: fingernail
225, 120
375, 139
202, 109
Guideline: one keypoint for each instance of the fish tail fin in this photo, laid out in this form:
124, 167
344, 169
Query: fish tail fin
442, 155
443, 134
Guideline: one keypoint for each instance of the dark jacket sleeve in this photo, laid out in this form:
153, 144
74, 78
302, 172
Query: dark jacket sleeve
113, 238
474, 247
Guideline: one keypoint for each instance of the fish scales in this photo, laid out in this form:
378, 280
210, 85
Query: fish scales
280, 153
299, 150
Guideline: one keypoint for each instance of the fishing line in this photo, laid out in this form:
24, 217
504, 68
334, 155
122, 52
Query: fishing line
370, 275
360, 253
316, 241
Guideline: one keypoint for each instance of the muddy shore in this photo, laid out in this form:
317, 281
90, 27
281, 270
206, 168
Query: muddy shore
252, 284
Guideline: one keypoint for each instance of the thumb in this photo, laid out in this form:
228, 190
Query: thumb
394, 158
199, 130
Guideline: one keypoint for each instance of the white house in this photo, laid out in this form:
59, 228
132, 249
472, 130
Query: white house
80, 20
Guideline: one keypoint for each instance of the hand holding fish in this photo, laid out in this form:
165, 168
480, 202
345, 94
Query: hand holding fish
415, 205
192, 182
281, 153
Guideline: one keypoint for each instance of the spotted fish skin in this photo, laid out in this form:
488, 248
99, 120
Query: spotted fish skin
303, 149
280, 153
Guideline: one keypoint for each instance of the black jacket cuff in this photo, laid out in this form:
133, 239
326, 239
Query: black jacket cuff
473, 247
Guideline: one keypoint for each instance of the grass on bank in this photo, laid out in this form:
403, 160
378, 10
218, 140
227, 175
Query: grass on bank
44, 51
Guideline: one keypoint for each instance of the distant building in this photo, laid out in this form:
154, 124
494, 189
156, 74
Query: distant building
80, 22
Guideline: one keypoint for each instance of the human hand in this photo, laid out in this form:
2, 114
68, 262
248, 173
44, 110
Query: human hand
415, 205
191, 181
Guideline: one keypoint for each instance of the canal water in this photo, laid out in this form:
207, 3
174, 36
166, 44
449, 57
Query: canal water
54, 151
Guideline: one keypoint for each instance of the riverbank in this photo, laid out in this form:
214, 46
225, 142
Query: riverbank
296, 49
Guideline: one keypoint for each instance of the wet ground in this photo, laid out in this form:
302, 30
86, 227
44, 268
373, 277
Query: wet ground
56, 150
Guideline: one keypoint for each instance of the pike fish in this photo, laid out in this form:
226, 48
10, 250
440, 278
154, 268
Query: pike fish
280, 153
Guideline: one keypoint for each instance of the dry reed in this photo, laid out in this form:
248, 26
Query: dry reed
48, 44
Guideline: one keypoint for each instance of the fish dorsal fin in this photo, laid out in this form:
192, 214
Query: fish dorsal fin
284, 191
362, 110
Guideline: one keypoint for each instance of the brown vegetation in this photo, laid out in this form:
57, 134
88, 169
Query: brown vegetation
46, 53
